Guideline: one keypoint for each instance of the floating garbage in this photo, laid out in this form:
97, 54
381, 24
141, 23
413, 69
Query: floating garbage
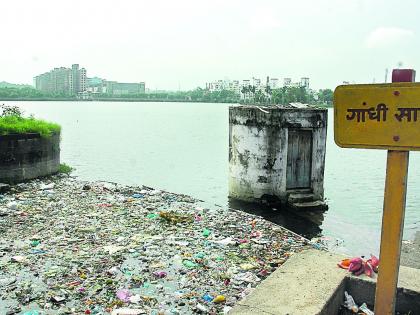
124, 295
127, 311
160, 274
189, 264
174, 217
208, 298
77, 247
219, 299
206, 232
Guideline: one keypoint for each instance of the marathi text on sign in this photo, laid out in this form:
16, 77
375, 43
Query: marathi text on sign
380, 113
382, 116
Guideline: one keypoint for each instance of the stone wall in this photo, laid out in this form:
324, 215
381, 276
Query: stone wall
28, 156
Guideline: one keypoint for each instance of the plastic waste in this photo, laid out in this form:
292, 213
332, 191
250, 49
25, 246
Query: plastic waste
208, 298
13, 205
160, 274
189, 264
128, 311
365, 309
202, 308
226, 241
219, 299
18, 259
248, 266
349, 303
124, 295
58, 299
4, 282
152, 216
135, 299
35, 243
46, 186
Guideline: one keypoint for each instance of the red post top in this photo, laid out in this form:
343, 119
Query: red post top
403, 75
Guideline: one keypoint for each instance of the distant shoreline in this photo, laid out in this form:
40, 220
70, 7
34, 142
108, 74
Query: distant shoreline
107, 100
139, 100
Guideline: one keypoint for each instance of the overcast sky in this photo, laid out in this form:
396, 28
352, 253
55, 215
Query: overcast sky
183, 44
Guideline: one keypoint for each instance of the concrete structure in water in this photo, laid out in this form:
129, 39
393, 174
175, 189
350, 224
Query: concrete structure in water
277, 153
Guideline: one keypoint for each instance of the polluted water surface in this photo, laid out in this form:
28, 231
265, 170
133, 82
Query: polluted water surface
75, 247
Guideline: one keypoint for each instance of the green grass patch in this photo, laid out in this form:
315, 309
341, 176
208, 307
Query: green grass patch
65, 169
16, 124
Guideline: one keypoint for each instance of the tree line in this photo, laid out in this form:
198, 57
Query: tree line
249, 94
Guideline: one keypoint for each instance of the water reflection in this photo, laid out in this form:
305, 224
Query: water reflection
305, 223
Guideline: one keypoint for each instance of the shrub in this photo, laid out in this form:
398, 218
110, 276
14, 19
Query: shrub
12, 121
65, 169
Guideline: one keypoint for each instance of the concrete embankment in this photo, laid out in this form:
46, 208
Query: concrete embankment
410, 252
311, 283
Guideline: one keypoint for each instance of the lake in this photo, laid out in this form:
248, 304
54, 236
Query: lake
183, 148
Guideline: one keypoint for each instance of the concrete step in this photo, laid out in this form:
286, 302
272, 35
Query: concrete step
300, 197
309, 205
300, 191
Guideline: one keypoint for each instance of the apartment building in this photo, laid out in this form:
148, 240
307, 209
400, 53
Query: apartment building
67, 81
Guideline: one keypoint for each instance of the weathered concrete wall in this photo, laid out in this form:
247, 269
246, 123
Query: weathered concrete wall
258, 144
305, 284
27, 156
310, 283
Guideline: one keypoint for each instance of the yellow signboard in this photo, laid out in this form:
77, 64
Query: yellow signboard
379, 116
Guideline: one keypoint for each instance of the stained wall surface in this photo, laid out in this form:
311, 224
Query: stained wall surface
28, 156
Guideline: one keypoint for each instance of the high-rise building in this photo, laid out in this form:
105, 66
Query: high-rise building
257, 83
62, 80
274, 83
304, 82
246, 87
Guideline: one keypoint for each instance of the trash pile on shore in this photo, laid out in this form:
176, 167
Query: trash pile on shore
73, 247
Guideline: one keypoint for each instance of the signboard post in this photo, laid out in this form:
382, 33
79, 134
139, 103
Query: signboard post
384, 116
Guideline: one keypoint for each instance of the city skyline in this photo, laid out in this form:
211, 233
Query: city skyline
185, 44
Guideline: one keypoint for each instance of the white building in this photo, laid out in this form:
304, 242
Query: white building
237, 86
274, 83
257, 83
304, 82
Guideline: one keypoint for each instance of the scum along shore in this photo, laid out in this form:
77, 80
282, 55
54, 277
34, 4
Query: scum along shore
74, 247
